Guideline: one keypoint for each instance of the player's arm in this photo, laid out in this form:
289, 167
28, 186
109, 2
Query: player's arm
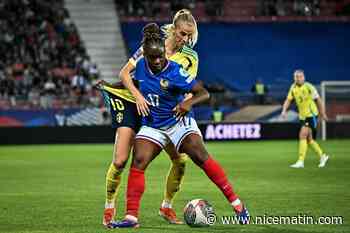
285, 107
141, 102
316, 97
100, 83
287, 102
321, 108
199, 94
117, 85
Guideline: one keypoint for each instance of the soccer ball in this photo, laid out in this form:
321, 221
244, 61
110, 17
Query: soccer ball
199, 213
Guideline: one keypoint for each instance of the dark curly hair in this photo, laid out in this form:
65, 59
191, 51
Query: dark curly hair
152, 36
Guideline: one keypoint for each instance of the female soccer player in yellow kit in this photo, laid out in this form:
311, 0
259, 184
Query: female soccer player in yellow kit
181, 36
309, 105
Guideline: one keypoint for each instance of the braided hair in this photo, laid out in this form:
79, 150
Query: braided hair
153, 47
152, 36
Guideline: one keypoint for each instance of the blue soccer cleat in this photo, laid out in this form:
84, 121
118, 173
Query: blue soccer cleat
126, 223
243, 216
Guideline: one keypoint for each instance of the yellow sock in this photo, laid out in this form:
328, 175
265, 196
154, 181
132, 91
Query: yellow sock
314, 145
302, 149
113, 178
175, 178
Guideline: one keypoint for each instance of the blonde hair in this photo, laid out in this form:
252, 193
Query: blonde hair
299, 71
183, 15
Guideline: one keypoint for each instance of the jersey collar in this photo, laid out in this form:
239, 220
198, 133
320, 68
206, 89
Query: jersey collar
165, 67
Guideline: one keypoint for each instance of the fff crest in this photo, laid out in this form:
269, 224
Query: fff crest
164, 84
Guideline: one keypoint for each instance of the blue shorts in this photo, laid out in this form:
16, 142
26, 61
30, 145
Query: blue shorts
310, 122
123, 112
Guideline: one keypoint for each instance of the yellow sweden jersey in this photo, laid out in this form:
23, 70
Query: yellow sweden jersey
122, 93
304, 97
186, 57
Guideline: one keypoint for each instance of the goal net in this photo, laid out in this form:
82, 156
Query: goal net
336, 99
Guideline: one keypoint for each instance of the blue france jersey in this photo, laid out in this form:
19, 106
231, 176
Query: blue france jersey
164, 91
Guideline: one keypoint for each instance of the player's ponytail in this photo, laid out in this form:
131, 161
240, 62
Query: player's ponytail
151, 34
185, 16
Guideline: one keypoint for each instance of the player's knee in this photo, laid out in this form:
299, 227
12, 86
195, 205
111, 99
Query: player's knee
201, 158
198, 155
308, 140
180, 160
120, 164
139, 162
302, 135
196, 151
120, 158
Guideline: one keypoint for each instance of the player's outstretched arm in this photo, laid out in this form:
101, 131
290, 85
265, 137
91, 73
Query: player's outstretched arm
285, 107
200, 94
141, 102
100, 83
321, 108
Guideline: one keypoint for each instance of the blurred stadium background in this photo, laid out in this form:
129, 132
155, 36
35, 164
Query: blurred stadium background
53, 50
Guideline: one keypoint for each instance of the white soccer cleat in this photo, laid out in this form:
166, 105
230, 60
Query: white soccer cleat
298, 164
323, 161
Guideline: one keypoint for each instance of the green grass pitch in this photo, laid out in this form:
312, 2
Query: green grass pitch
60, 188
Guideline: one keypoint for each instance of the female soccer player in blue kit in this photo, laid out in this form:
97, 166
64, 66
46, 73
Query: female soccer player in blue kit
181, 36
161, 88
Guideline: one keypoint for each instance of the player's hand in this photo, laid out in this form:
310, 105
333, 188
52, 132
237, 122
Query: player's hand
324, 117
182, 109
284, 115
142, 105
99, 83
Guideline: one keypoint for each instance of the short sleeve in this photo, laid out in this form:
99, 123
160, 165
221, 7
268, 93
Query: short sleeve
136, 56
190, 61
138, 69
313, 91
193, 69
290, 93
